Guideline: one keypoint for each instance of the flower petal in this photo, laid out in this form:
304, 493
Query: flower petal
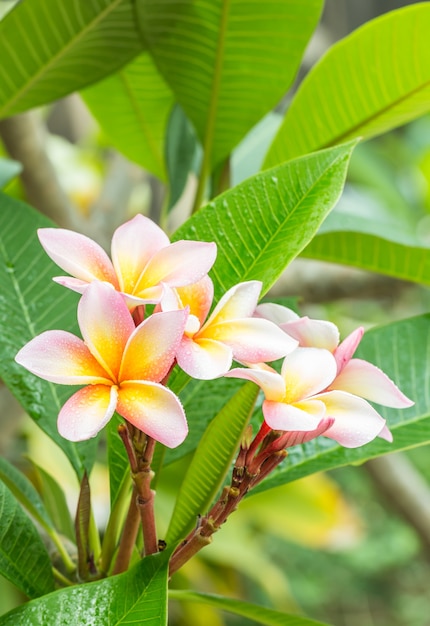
368, 381
356, 422
151, 348
276, 313
238, 302
204, 359
63, 358
198, 297
345, 351
106, 325
155, 410
302, 416
133, 245
294, 437
307, 371
71, 283
313, 333
87, 412
179, 264
77, 254
266, 378
252, 340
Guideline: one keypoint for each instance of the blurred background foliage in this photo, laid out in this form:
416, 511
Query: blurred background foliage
345, 547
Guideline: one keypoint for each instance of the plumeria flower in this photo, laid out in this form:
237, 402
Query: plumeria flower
143, 260
298, 399
120, 365
355, 376
209, 346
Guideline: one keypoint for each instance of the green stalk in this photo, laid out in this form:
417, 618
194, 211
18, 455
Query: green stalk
114, 525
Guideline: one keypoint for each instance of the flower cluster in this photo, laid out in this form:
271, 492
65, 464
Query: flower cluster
125, 355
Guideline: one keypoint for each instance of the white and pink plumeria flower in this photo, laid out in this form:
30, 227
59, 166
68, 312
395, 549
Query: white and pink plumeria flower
298, 399
143, 262
121, 366
209, 346
355, 376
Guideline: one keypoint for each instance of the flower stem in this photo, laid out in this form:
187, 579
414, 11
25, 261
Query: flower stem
255, 460
129, 534
61, 579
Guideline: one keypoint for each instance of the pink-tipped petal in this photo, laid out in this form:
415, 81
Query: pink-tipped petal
151, 348
386, 434
300, 416
155, 410
275, 313
313, 333
368, 381
267, 379
181, 263
204, 359
252, 340
345, 351
63, 358
198, 297
75, 284
106, 325
238, 302
77, 254
87, 412
292, 438
307, 371
356, 422
133, 245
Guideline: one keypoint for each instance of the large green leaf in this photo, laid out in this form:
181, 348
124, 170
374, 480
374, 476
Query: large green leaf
31, 303
379, 251
365, 233
137, 597
132, 108
402, 350
211, 462
228, 62
261, 225
24, 492
23, 557
49, 48
260, 614
375, 79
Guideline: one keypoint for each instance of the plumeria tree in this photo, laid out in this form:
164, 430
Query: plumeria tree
167, 338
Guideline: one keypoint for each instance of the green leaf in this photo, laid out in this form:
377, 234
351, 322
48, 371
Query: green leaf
202, 401
23, 557
132, 108
34, 303
8, 170
228, 62
137, 597
54, 500
183, 153
261, 225
401, 350
25, 493
49, 48
383, 69
211, 462
260, 614
119, 466
375, 240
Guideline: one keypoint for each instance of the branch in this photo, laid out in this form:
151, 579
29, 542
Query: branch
23, 139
